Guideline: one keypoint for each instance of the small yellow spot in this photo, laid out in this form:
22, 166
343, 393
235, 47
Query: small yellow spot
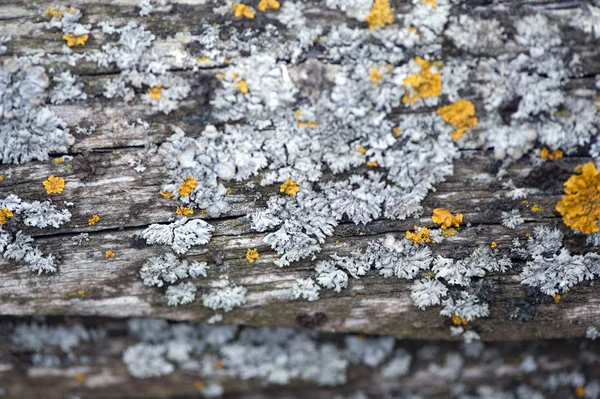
71, 10
219, 364
546, 154
5, 213
109, 254
396, 131
536, 208
527, 235
413, 29
337, 242
219, 76
444, 218
242, 11
155, 92
203, 211
457, 320
424, 83
69, 166
54, 185
265, 5
420, 236
187, 186
449, 232
525, 202
375, 75
203, 58
73, 40
460, 114
166, 194
94, 219
362, 150
235, 75
228, 190
252, 255
243, 86
431, 274
301, 124
183, 211
372, 164
58, 161
80, 292
580, 391
580, 207
2, 178
289, 187
198, 384
557, 298
431, 3
80, 377
381, 14
54, 13
493, 244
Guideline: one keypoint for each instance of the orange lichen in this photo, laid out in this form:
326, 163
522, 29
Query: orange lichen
420, 236
301, 124
375, 75
187, 186
80, 377
54, 13
580, 391
203, 211
5, 213
580, 207
183, 211
73, 40
243, 86
546, 154
166, 194
289, 187
424, 83
449, 232
381, 14
536, 208
557, 298
457, 320
460, 114
242, 11
444, 218
493, 244
372, 164
362, 150
265, 5
54, 185
252, 255
396, 131
155, 92
94, 219
109, 254
198, 384
431, 3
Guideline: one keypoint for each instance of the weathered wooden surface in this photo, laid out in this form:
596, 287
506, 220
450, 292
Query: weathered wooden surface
128, 201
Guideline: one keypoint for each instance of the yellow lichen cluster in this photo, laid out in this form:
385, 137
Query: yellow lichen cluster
109, 254
372, 164
361, 149
289, 187
375, 76
431, 3
242, 11
444, 218
460, 114
458, 320
54, 185
252, 255
493, 245
155, 92
73, 40
424, 83
381, 14
184, 211
94, 219
302, 124
59, 160
243, 86
557, 298
449, 232
420, 236
265, 5
580, 207
536, 208
551, 156
187, 186
54, 13
5, 213
396, 131
166, 194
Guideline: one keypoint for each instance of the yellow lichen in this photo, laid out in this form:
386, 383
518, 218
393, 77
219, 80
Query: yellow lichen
536, 208
252, 255
444, 218
155, 92
493, 244
242, 11
1, 178
203, 211
301, 124
362, 150
5, 213
184, 211
94, 219
420, 236
457, 320
580, 207
166, 194
54, 185
73, 40
228, 191
198, 384
431, 3
375, 75
204, 58
54, 13
58, 161
187, 186
580, 391
449, 232
243, 86
289, 187
109, 254
372, 164
396, 131
557, 298
460, 114
546, 154
424, 83
381, 14
265, 5
80, 377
